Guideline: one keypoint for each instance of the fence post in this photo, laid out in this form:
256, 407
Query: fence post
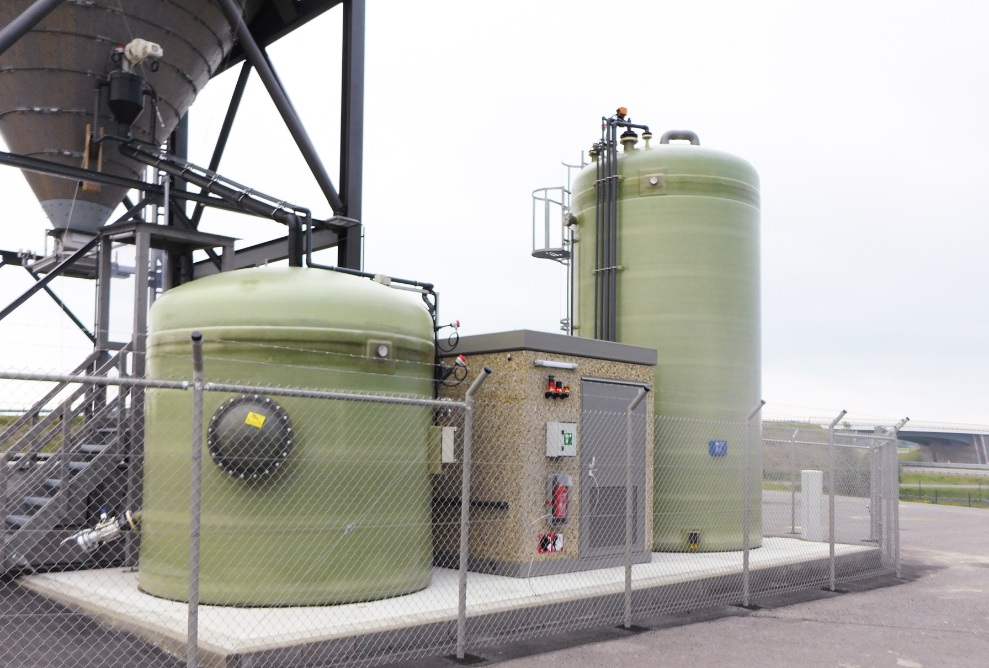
465, 510
877, 459
793, 481
628, 503
831, 483
747, 492
195, 505
895, 515
63, 456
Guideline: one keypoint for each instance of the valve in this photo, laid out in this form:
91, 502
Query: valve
107, 530
140, 51
459, 367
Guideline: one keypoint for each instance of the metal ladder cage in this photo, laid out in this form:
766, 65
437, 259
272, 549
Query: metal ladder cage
555, 241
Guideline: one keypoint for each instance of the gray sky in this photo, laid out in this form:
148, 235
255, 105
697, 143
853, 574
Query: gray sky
865, 120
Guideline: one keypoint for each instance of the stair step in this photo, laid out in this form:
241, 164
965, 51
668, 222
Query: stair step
93, 448
17, 521
52, 483
78, 466
37, 501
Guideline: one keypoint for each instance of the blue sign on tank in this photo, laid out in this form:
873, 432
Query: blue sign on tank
717, 448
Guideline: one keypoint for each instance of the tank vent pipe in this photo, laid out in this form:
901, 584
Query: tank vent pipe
680, 135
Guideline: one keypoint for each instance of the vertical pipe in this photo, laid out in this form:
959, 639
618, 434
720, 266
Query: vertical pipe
643, 391
465, 510
599, 201
747, 493
613, 237
605, 250
831, 483
605, 224
195, 504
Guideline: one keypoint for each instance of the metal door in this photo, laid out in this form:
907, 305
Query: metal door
602, 449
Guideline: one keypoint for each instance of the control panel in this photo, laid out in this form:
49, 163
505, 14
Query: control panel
561, 439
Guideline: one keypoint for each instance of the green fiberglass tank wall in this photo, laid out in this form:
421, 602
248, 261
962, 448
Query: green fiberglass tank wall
688, 285
304, 501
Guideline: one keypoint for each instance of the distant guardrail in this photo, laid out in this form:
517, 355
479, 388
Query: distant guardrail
945, 465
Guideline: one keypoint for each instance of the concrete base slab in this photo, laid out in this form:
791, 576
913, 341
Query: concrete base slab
424, 623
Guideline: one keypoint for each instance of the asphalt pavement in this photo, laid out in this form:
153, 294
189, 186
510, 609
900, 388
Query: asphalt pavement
937, 615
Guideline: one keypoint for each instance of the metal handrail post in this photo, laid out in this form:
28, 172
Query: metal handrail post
195, 505
747, 492
465, 510
643, 391
831, 483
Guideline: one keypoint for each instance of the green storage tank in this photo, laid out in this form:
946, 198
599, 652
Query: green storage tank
688, 285
304, 501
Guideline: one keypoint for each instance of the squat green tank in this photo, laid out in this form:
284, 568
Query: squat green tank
304, 501
688, 285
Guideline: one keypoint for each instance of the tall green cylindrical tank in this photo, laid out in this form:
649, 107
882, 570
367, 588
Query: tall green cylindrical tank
331, 503
688, 285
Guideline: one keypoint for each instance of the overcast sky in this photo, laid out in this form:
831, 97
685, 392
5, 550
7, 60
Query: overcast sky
867, 123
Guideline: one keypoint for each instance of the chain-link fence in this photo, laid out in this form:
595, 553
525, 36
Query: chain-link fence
204, 520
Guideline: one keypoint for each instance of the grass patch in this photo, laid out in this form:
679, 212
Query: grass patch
934, 479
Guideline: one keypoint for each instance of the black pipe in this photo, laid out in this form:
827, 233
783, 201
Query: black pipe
680, 135
613, 238
295, 245
253, 54
356, 272
23, 24
73, 173
598, 236
238, 199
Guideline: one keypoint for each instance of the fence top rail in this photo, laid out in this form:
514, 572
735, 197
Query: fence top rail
97, 380
324, 394
229, 387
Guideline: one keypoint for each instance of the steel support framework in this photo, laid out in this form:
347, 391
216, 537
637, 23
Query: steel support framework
271, 22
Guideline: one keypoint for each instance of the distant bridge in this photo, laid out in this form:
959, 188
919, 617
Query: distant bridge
956, 447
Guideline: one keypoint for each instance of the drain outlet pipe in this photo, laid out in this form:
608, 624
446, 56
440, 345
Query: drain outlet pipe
107, 530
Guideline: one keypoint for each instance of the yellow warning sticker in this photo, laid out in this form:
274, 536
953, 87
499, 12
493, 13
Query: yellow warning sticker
254, 420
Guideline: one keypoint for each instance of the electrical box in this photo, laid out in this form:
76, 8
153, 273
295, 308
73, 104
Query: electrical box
561, 439
446, 445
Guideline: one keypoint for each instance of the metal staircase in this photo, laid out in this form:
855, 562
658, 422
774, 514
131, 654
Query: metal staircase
63, 461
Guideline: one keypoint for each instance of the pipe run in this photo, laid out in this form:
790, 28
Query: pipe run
242, 199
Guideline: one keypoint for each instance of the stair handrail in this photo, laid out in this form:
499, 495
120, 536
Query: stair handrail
18, 447
40, 472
